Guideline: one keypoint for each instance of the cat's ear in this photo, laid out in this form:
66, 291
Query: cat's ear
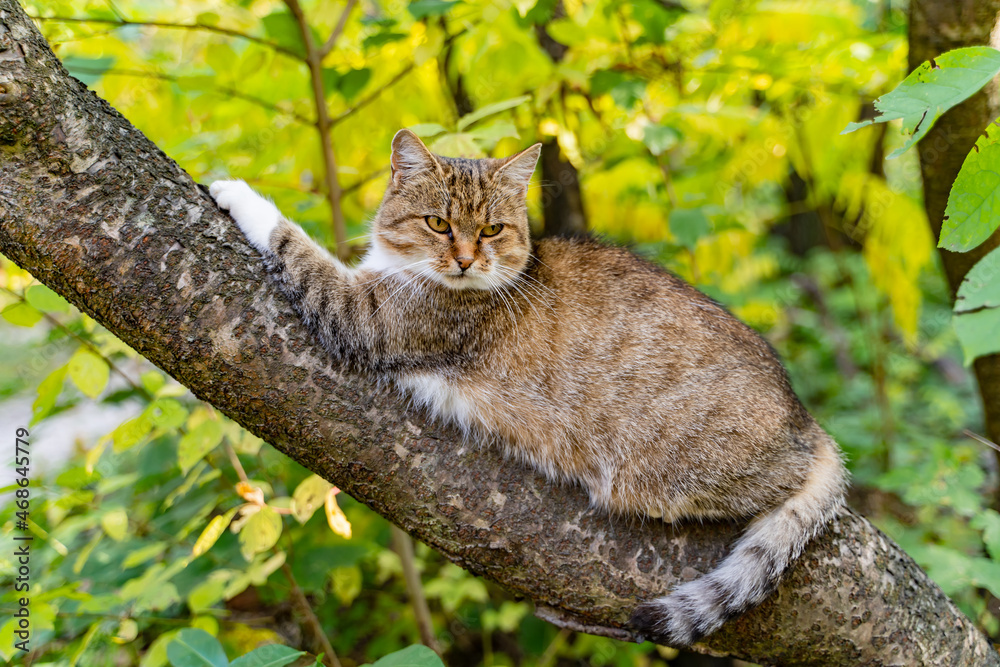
517, 169
409, 157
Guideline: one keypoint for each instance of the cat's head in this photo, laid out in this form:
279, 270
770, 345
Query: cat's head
462, 223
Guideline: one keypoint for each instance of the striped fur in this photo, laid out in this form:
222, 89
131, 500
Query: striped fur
578, 358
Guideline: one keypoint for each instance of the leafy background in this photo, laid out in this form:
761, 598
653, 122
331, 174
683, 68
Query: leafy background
706, 137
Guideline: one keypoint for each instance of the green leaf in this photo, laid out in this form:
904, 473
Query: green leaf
424, 8
427, 129
309, 496
490, 109
144, 554
89, 372
115, 524
353, 81
21, 314
272, 655
166, 413
260, 532
625, 90
977, 332
48, 393
346, 583
688, 225
88, 70
417, 655
973, 210
282, 28
981, 287
45, 300
381, 38
198, 442
196, 648
989, 522
660, 138
933, 88
489, 135
131, 433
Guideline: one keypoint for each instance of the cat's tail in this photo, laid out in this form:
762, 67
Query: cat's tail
753, 569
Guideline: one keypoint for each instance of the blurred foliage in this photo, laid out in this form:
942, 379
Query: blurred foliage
706, 137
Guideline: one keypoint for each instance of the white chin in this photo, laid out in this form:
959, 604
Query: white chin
462, 282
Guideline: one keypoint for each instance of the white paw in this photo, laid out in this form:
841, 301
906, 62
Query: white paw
257, 217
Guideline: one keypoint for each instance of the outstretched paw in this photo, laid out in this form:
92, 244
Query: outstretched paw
257, 217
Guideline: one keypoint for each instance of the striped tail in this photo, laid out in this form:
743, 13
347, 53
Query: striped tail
759, 558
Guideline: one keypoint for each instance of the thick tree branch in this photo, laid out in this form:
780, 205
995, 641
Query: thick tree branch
98, 213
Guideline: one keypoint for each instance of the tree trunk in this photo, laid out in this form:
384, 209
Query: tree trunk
562, 200
94, 210
937, 26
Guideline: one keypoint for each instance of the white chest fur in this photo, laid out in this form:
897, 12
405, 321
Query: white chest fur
443, 398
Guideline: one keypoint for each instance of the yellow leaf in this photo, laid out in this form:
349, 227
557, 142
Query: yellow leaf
250, 493
115, 524
308, 496
335, 516
213, 531
260, 533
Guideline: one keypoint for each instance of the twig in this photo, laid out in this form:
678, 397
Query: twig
330, 657
549, 656
982, 440
402, 544
372, 96
121, 23
332, 40
220, 90
314, 61
86, 343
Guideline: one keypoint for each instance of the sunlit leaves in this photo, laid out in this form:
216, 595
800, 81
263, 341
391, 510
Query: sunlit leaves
489, 110
21, 314
281, 27
932, 89
973, 211
688, 225
89, 372
660, 138
115, 524
979, 332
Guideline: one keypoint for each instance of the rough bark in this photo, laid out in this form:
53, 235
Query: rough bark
936, 27
97, 212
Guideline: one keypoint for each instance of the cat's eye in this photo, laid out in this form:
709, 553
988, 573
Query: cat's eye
490, 230
437, 224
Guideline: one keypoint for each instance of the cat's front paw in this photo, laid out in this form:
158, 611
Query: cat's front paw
257, 217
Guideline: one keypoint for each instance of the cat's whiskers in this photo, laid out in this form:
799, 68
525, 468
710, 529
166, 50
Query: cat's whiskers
498, 290
386, 275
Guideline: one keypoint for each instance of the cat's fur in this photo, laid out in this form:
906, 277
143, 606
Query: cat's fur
581, 359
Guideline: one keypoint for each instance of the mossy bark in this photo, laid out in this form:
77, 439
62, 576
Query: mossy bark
98, 213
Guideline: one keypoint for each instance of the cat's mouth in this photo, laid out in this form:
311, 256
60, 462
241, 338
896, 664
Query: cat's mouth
465, 280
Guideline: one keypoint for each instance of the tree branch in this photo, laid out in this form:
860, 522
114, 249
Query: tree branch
93, 209
314, 61
335, 35
229, 32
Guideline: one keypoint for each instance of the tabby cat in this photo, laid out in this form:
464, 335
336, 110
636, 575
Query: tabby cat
581, 359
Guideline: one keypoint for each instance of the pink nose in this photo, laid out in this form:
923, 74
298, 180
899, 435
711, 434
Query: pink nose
464, 262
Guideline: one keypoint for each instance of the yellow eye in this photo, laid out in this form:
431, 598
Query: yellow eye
491, 230
437, 224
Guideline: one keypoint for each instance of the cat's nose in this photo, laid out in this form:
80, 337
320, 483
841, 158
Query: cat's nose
464, 262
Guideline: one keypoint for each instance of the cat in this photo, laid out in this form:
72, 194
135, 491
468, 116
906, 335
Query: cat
582, 359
